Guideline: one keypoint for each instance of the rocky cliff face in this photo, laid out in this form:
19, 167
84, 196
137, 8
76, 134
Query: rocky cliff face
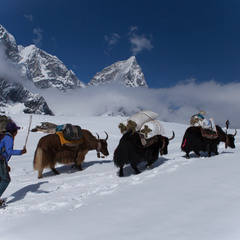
12, 93
46, 70
126, 72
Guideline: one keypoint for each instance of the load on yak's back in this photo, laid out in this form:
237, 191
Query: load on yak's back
69, 134
199, 120
145, 124
142, 140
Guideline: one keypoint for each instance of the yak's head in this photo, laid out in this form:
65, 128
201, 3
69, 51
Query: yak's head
165, 142
102, 146
230, 140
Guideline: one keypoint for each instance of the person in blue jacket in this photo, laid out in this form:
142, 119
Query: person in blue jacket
6, 151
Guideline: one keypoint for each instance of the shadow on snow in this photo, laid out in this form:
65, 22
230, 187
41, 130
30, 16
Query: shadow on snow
69, 168
128, 171
20, 194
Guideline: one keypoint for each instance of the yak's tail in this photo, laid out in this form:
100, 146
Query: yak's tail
37, 162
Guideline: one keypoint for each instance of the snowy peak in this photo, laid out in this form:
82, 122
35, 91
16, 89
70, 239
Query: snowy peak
46, 70
126, 72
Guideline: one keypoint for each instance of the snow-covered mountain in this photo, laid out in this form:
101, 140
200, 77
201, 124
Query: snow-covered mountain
127, 72
12, 94
37, 65
46, 70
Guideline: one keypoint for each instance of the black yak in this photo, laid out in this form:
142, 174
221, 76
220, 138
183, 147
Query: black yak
193, 140
130, 150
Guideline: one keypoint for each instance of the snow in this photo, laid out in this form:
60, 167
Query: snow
180, 199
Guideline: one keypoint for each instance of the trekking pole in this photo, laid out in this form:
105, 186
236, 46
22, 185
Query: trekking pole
30, 122
227, 124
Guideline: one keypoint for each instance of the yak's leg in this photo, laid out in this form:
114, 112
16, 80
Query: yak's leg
209, 150
54, 170
216, 151
135, 169
149, 166
79, 167
121, 172
187, 155
40, 171
197, 153
80, 159
52, 166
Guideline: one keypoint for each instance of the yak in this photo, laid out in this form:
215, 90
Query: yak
193, 140
130, 150
50, 151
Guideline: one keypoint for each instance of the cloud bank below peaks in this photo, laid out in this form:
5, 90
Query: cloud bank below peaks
175, 104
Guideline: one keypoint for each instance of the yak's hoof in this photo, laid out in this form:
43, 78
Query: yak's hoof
149, 166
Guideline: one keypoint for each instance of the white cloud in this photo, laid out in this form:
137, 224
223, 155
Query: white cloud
7, 68
138, 42
132, 29
38, 40
9, 71
112, 40
29, 17
175, 104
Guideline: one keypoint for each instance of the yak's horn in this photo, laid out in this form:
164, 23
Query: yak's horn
173, 136
97, 136
106, 136
235, 133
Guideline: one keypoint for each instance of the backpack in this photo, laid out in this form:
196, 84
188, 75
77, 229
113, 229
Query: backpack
2, 135
72, 132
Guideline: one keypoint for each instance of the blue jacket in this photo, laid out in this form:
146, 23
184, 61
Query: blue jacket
6, 147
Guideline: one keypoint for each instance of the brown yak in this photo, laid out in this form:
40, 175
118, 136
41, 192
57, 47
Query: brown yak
49, 151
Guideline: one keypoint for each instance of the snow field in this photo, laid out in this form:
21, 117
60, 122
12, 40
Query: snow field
180, 199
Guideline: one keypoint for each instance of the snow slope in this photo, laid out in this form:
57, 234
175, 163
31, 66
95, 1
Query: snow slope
180, 199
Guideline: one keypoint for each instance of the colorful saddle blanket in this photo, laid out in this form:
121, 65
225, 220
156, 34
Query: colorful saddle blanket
67, 142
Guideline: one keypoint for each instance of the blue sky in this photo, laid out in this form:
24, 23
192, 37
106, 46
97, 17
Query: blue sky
172, 40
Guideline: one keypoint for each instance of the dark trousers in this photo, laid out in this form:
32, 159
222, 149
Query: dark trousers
4, 177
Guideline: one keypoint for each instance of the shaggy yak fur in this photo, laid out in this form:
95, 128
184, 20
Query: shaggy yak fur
194, 141
131, 151
49, 151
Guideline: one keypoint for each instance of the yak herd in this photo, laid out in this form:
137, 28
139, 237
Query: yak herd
130, 149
